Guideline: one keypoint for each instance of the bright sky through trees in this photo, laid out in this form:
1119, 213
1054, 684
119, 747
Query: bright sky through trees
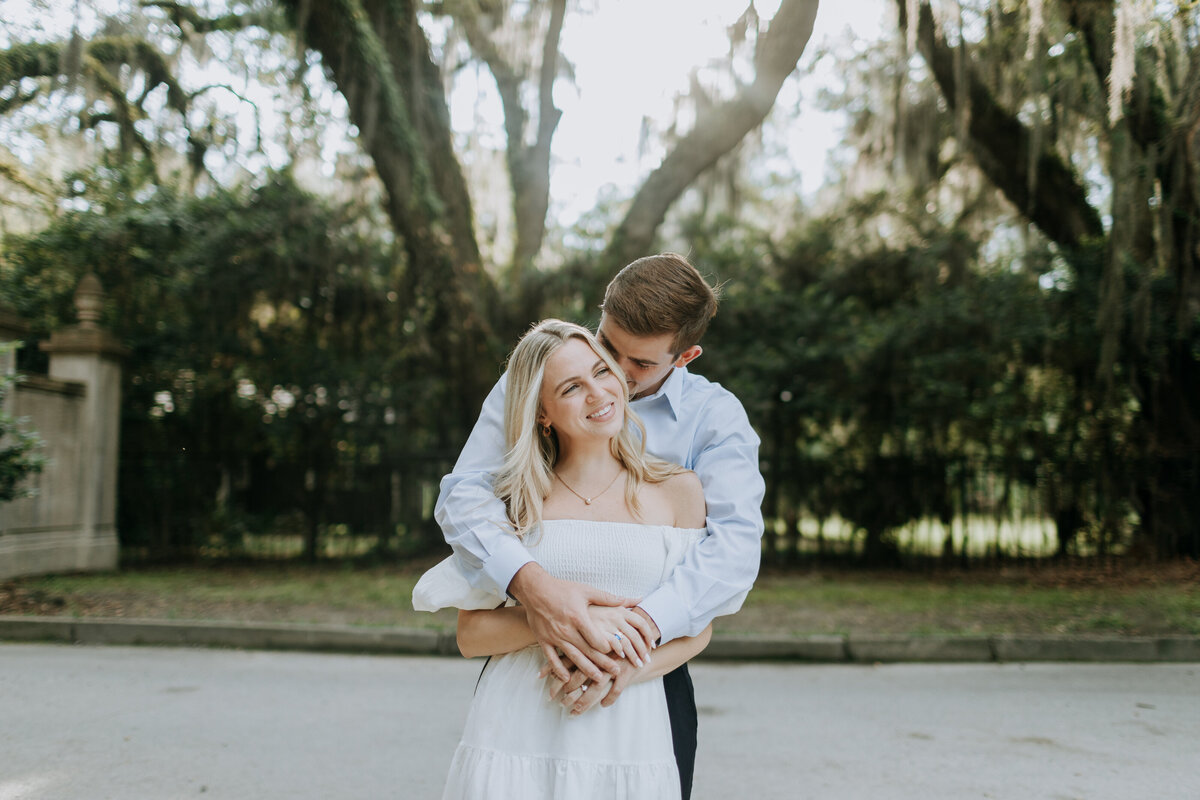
630, 59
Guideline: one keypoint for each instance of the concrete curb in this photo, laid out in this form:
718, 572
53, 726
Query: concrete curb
244, 635
853, 649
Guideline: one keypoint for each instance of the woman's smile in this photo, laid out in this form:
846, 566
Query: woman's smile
602, 414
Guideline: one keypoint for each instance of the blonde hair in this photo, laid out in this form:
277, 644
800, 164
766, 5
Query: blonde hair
527, 476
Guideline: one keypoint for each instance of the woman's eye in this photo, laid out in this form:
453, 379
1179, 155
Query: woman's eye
602, 371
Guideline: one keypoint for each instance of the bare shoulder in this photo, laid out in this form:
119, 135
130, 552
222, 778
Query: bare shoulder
686, 495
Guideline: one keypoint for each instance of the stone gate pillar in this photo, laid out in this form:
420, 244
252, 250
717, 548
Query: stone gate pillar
87, 353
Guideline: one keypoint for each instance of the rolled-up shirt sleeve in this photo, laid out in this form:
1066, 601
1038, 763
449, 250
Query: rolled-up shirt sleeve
472, 518
716, 575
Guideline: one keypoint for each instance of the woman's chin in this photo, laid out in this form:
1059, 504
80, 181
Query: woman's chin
607, 430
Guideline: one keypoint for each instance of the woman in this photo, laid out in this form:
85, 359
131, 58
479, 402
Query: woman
591, 507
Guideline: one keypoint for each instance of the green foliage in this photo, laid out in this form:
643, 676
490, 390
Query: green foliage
19, 447
269, 347
881, 381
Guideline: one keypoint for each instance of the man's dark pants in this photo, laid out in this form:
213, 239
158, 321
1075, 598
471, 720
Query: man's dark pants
681, 705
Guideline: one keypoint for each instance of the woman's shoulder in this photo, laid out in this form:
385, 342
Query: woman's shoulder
685, 493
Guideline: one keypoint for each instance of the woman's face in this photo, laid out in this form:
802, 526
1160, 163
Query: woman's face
581, 397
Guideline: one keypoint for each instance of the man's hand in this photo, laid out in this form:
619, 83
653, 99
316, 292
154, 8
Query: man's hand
650, 630
557, 611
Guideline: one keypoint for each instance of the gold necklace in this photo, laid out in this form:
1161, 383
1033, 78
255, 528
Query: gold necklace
588, 500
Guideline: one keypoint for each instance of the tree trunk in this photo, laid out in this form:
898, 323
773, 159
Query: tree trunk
528, 164
379, 58
1167, 387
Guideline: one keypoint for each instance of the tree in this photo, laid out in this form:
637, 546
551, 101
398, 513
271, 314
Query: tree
1135, 388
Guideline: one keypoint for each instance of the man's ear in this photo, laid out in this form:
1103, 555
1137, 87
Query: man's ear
689, 355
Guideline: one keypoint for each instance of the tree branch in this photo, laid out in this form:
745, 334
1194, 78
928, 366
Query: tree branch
528, 165
1001, 146
14, 174
180, 13
717, 131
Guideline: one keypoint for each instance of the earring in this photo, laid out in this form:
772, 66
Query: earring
546, 431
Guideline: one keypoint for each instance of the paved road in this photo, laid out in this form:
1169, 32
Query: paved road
90, 723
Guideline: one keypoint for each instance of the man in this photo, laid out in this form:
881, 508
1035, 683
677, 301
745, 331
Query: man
655, 312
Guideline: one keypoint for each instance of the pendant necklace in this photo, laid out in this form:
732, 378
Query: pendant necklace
588, 500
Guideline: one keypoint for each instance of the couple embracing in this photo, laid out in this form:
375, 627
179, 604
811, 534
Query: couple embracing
604, 510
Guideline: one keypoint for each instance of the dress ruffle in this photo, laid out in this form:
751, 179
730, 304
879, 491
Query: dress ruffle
518, 744
484, 773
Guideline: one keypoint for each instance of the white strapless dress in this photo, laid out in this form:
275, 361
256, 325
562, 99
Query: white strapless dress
517, 744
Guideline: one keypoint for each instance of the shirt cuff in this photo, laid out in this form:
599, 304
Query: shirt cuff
503, 563
668, 612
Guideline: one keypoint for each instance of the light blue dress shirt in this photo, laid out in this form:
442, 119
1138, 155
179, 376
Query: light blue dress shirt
689, 421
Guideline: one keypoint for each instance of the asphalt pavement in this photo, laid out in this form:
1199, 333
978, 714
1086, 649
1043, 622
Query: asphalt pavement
138, 723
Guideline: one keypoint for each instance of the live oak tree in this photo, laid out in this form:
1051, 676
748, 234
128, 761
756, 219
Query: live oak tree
1084, 115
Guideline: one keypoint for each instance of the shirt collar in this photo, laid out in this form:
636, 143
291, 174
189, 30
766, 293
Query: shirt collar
670, 392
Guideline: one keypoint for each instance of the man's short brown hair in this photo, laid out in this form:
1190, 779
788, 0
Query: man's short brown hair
661, 294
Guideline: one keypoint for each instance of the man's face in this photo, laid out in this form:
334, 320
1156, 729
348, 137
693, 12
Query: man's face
646, 360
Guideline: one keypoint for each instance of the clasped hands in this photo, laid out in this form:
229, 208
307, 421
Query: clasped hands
586, 635
629, 655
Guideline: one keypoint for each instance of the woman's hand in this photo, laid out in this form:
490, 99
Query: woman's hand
580, 693
557, 612
629, 631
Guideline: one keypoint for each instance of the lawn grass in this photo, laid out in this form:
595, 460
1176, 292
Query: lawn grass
857, 602
1122, 600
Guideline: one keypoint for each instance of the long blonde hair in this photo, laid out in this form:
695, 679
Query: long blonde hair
527, 476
